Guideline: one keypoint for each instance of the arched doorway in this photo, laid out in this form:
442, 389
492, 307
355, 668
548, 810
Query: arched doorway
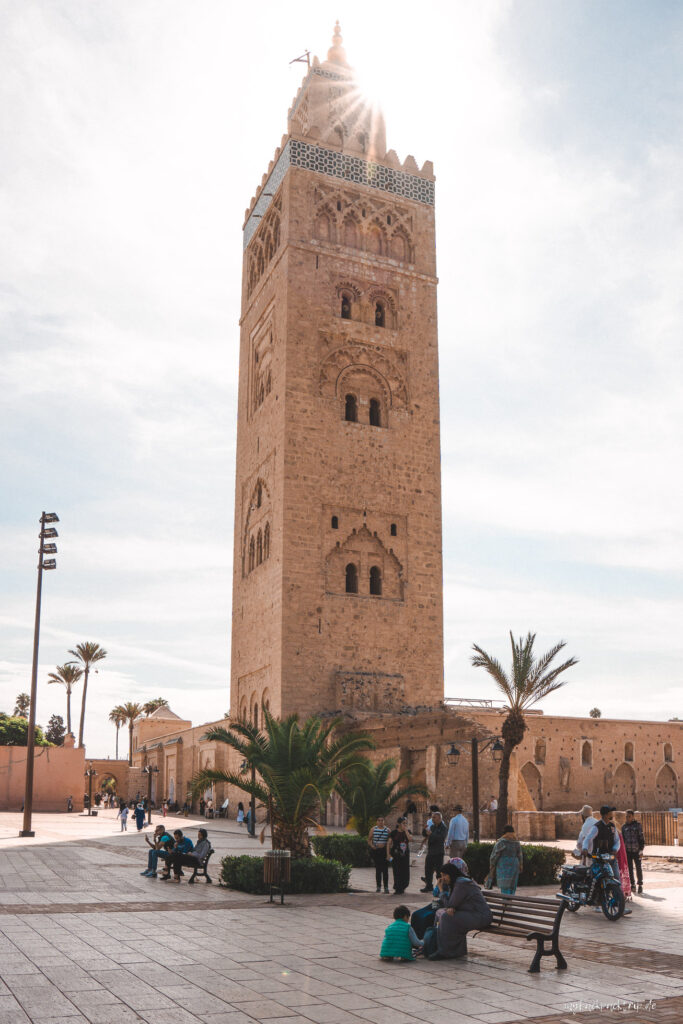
666, 788
534, 784
624, 787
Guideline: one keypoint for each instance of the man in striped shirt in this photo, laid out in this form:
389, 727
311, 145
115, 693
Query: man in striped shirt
377, 840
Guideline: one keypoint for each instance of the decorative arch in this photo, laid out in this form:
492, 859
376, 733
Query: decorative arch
668, 753
388, 302
257, 534
628, 751
666, 787
264, 244
624, 786
355, 558
367, 367
351, 232
265, 700
534, 784
400, 248
586, 754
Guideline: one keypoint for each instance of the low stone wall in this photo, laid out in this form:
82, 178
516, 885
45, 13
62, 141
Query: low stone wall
58, 773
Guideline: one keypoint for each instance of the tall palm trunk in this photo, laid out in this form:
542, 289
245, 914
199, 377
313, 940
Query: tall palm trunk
117, 740
68, 710
503, 781
85, 691
130, 742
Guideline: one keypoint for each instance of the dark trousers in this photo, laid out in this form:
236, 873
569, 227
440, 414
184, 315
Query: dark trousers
433, 865
635, 858
178, 859
381, 867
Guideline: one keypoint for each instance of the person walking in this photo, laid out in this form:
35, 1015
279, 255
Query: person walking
69, 805
140, 816
398, 855
506, 863
123, 815
634, 843
458, 833
377, 841
435, 837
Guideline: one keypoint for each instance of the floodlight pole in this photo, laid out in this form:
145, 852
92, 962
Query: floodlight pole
46, 517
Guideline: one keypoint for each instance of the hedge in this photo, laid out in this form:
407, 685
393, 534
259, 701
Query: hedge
346, 848
541, 863
314, 874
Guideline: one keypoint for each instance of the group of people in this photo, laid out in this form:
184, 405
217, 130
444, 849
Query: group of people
439, 930
391, 848
176, 851
601, 835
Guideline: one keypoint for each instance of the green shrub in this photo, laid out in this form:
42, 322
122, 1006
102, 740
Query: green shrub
314, 874
541, 863
347, 848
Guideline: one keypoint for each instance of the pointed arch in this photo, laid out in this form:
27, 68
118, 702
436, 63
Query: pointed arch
666, 787
534, 783
266, 542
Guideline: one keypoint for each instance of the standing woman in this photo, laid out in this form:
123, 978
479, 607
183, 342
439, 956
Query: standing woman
240, 813
377, 841
506, 862
139, 816
398, 854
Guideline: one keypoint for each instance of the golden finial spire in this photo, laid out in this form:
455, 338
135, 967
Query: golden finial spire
336, 53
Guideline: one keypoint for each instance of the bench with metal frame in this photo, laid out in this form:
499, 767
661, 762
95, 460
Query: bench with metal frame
200, 869
533, 918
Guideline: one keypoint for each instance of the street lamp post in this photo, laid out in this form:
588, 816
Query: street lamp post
47, 533
252, 802
453, 756
90, 774
149, 770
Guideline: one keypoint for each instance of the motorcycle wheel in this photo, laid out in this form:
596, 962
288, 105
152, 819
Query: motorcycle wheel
613, 901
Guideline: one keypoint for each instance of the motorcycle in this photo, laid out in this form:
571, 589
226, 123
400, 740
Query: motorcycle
592, 887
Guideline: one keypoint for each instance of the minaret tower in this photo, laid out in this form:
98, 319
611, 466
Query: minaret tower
337, 591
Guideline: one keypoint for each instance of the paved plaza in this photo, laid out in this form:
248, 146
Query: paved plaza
84, 939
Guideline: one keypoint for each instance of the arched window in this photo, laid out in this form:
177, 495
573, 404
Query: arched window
252, 551
388, 218
376, 581
668, 752
350, 235
345, 306
380, 315
259, 548
628, 752
259, 496
539, 752
269, 382
393, 529
335, 522
351, 409
266, 542
351, 579
586, 755
256, 715
375, 417
339, 205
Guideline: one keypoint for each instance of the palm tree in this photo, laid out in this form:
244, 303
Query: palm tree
88, 654
117, 715
297, 767
151, 705
368, 793
530, 680
130, 712
67, 675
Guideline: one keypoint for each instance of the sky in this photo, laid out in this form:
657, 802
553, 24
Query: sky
133, 134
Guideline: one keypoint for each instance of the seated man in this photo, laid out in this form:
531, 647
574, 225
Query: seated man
161, 845
183, 844
191, 860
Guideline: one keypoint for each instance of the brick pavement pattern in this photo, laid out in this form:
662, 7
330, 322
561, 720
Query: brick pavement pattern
82, 942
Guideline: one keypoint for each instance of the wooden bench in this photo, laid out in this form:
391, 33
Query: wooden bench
200, 870
531, 918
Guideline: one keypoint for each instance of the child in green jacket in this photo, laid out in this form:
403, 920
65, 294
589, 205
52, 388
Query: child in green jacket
399, 938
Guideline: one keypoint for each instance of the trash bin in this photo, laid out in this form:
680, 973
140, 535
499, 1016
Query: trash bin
277, 871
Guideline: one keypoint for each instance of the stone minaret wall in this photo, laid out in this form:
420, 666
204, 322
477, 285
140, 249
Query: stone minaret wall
338, 451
